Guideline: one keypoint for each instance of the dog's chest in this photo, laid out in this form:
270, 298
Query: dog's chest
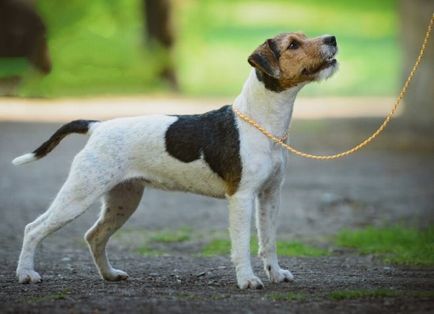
263, 161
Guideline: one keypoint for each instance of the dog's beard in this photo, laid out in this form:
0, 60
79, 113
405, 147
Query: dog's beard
327, 72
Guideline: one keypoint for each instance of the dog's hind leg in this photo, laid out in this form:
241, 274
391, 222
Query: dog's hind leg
117, 206
84, 185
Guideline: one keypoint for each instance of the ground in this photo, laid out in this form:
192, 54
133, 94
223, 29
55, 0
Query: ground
389, 182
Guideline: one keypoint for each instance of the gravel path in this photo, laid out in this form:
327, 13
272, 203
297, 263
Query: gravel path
389, 182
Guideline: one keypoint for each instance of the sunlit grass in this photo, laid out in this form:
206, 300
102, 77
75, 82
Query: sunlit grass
366, 32
97, 47
396, 244
286, 296
48, 297
362, 294
172, 236
157, 242
284, 248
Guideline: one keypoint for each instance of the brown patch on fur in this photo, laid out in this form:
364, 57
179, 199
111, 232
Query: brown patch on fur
232, 181
280, 67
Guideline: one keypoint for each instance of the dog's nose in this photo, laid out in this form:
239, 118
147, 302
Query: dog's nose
330, 40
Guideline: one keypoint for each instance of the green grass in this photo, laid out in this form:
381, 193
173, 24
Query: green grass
157, 243
377, 293
12, 66
398, 245
172, 236
97, 46
59, 295
145, 250
286, 297
366, 32
362, 294
223, 246
422, 294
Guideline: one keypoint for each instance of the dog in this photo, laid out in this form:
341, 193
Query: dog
215, 154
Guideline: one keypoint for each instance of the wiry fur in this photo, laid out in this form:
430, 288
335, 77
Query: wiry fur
125, 155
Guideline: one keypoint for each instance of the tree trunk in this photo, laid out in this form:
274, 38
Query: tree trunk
23, 34
419, 102
159, 31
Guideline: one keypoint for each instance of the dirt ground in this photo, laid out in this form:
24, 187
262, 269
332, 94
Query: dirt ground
389, 182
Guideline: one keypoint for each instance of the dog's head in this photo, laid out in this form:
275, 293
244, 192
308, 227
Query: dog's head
290, 59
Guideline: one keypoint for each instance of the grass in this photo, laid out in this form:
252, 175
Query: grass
377, 294
189, 296
59, 295
154, 242
422, 294
146, 250
397, 244
222, 247
366, 32
286, 297
362, 294
97, 47
353, 294
172, 236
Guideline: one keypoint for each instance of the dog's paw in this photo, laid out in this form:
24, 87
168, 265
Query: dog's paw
277, 274
250, 282
28, 276
115, 275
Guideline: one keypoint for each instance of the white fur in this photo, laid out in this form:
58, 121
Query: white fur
263, 171
24, 159
124, 155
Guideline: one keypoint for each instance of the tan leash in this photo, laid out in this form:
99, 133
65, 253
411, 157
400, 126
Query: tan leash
281, 141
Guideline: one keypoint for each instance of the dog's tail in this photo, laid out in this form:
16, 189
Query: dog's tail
76, 126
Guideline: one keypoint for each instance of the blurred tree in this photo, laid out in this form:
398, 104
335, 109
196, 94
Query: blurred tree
415, 15
23, 34
159, 32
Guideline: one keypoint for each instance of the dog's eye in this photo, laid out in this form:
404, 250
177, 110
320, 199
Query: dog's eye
294, 45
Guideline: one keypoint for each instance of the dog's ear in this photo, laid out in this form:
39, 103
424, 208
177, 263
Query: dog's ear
266, 58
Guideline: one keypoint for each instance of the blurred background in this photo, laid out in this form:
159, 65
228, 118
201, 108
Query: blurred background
99, 59
197, 48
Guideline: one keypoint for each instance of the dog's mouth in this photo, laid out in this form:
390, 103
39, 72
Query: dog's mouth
329, 61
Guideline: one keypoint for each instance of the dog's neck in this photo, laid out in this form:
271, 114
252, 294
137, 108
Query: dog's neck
272, 110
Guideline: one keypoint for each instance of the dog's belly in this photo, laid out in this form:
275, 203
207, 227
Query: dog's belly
137, 145
195, 177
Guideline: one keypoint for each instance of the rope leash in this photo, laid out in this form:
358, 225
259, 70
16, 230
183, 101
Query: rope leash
281, 141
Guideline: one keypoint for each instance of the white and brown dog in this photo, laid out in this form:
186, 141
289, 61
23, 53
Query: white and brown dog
214, 154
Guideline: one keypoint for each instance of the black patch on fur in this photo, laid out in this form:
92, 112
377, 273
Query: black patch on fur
274, 48
213, 134
76, 126
269, 82
262, 62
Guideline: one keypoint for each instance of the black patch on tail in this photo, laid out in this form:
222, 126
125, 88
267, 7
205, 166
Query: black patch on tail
213, 134
76, 126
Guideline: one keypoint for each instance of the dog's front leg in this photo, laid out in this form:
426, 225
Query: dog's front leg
267, 211
241, 205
